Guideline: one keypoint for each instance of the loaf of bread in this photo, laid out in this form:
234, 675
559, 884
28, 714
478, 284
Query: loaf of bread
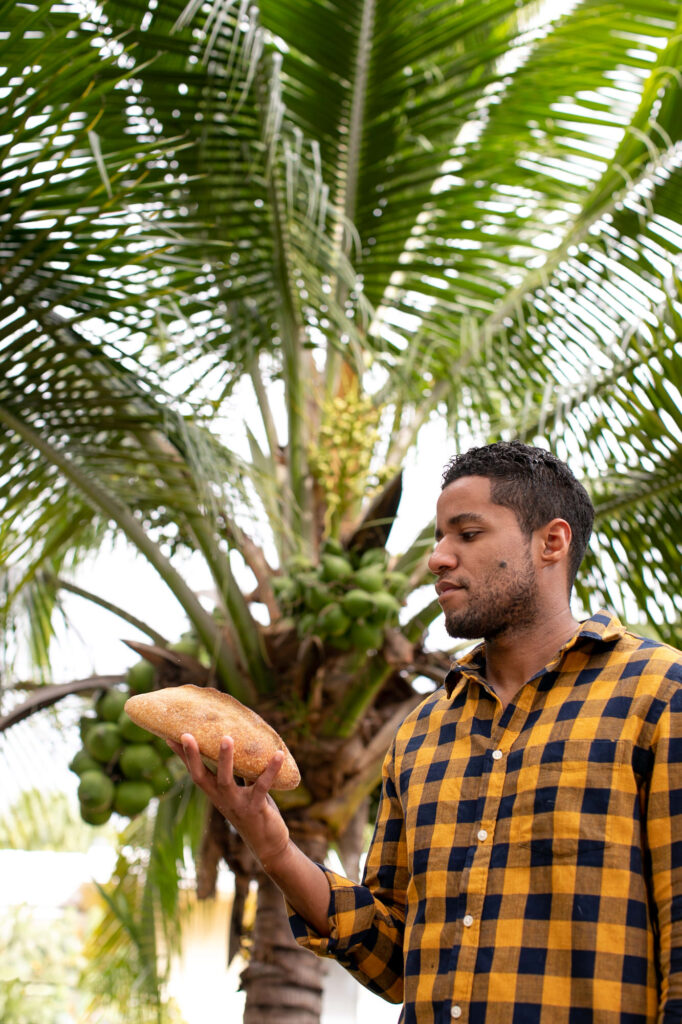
209, 715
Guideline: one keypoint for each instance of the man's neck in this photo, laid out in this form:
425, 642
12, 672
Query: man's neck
512, 659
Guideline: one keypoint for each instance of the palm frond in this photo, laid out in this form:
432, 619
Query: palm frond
129, 951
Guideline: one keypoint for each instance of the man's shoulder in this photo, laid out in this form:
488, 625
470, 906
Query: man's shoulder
631, 643
652, 658
605, 627
620, 652
649, 647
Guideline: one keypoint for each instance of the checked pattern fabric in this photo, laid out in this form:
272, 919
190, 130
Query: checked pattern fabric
526, 866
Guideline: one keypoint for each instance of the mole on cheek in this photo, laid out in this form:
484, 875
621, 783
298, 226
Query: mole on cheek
503, 565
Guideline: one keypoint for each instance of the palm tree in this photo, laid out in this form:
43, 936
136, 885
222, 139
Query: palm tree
354, 219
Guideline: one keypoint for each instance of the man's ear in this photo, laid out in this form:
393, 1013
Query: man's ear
555, 540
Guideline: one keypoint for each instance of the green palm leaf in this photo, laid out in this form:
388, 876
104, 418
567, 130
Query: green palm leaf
411, 211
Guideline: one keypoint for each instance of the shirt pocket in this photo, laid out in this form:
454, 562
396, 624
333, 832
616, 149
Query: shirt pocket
575, 808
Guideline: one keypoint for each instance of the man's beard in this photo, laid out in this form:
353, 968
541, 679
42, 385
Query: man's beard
506, 600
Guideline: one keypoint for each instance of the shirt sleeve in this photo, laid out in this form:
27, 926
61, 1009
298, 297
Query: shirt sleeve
367, 921
664, 840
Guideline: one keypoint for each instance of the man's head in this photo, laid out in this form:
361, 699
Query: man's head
535, 485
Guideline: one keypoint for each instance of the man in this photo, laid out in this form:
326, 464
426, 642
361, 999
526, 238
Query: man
527, 860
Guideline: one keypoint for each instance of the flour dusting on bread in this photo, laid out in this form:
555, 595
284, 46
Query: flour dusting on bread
208, 714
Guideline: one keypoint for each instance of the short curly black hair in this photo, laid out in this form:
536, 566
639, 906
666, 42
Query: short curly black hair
535, 485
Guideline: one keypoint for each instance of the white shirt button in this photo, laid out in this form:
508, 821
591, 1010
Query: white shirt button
482, 835
467, 920
497, 754
456, 1012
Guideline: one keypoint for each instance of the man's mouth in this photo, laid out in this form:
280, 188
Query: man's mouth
447, 586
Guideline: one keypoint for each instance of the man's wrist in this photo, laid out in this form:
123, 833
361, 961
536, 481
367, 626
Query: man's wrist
275, 864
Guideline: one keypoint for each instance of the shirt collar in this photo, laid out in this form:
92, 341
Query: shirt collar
602, 627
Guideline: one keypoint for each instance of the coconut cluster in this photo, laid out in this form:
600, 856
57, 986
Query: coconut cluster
346, 599
121, 766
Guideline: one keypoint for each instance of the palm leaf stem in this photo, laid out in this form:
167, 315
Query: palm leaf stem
104, 502
46, 696
428, 670
257, 563
356, 125
148, 925
291, 329
293, 378
396, 420
269, 487
412, 561
405, 436
346, 201
264, 408
247, 637
358, 697
63, 584
415, 627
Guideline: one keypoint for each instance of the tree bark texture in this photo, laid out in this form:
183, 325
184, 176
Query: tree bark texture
283, 982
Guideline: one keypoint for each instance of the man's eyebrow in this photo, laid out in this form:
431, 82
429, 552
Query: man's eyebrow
461, 517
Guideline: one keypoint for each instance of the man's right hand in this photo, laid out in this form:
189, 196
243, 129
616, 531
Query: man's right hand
250, 808
256, 817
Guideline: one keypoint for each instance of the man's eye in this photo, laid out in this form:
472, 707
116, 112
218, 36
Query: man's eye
469, 534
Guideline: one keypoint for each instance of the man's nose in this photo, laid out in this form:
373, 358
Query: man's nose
442, 557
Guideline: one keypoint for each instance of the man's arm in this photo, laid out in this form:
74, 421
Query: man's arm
664, 828
330, 915
256, 817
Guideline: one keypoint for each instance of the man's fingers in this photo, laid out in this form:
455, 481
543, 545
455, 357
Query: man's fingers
188, 750
225, 770
267, 777
192, 757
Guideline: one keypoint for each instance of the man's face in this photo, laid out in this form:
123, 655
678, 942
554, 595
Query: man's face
487, 581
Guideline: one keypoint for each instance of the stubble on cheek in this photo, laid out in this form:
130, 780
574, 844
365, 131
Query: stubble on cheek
503, 601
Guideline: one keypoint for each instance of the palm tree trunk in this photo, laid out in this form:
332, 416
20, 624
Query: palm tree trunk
283, 982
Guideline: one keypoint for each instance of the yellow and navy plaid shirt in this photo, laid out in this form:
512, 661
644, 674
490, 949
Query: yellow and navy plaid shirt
526, 866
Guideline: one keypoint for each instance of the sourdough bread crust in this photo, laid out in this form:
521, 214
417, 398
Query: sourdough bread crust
208, 714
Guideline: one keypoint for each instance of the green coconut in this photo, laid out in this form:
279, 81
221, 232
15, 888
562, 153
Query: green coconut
187, 644
131, 731
141, 676
316, 597
83, 762
357, 603
91, 817
332, 546
85, 723
371, 578
366, 636
397, 581
103, 741
139, 760
95, 790
386, 607
332, 620
335, 568
161, 780
110, 705
306, 624
131, 797
373, 556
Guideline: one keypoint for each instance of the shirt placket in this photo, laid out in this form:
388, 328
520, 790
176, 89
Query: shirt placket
474, 882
